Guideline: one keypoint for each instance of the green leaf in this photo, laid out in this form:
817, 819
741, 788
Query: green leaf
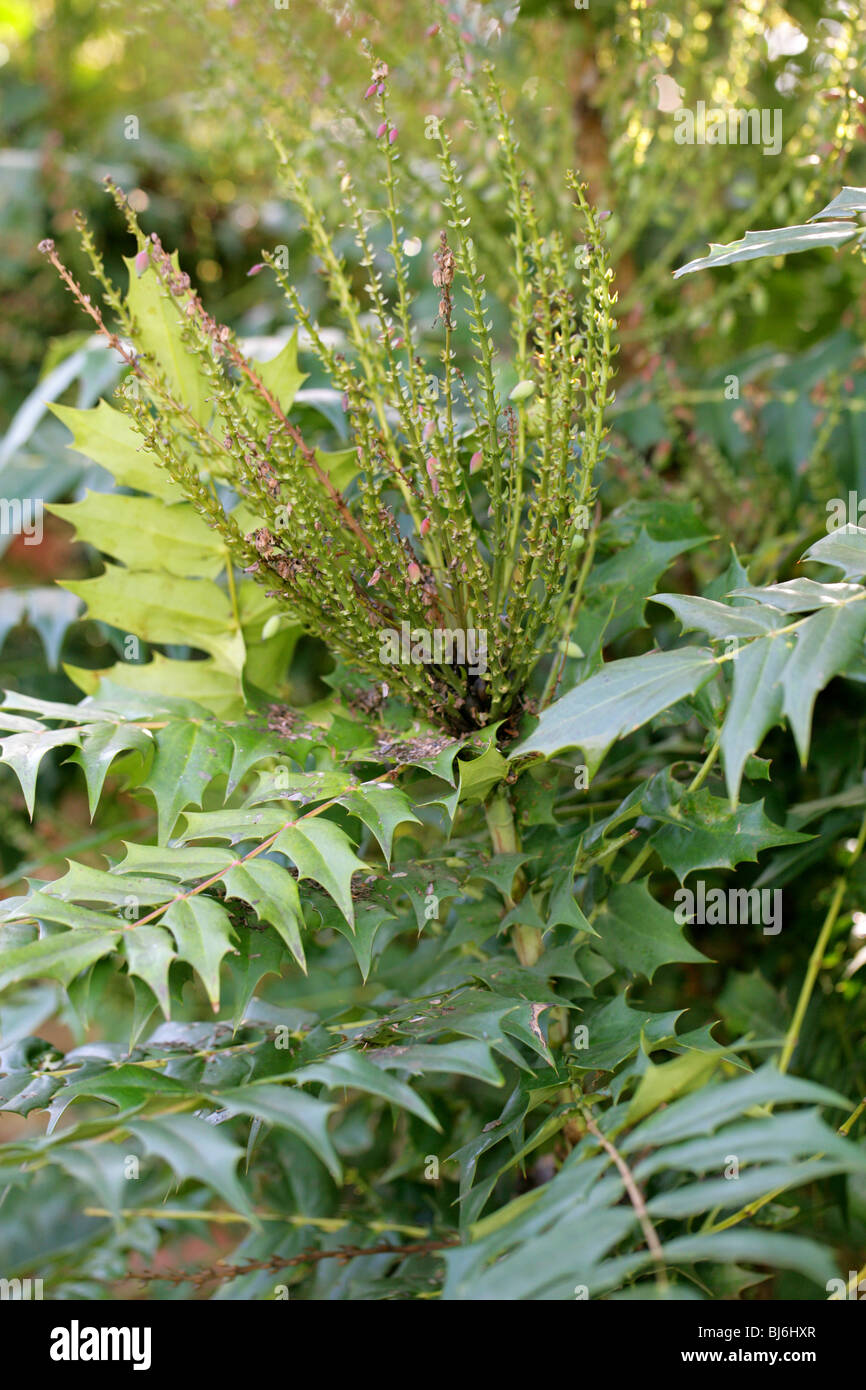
615, 701
158, 334
478, 776
705, 832
321, 851
164, 609
24, 752
781, 241
846, 204
845, 549
465, 1058
203, 681
827, 642
188, 757
273, 895
100, 747
196, 1151
639, 935
109, 438
354, 1071
146, 534
719, 620
60, 957
621, 585
149, 953
382, 809
715, 1105
281, 374
615, 1031
289, 1109
756, 703
202, 932
661, 1083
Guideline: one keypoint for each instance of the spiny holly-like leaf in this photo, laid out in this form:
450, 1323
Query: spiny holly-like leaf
212, 687
146, 534
619, 587
157, 321
188, 757
661, 1082
827, 643
273, 895
615, 1031
720, 620
60, 957
259, 954
354, 1070
846, 204
290, 1109
382, 809
638, 934
99, 748
149, 953
281, 374
321, 851
24, 752
844, 548
466, 1058
161, 608
781, 241
108, 437
715, 1105
195, 1151
704, 832
84, 884
202, 933
778, 672
615, 701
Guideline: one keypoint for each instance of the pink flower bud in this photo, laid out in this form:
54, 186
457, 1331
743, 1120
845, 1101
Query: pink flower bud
393, 136
374, 578
475, 462
429, 428
414, 571
256, 269
432, 31
380, 130
432, 464
142, 261
425, 526
380, 90
370, 90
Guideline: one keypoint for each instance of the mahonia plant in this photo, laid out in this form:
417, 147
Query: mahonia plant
356, 942
466, 513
